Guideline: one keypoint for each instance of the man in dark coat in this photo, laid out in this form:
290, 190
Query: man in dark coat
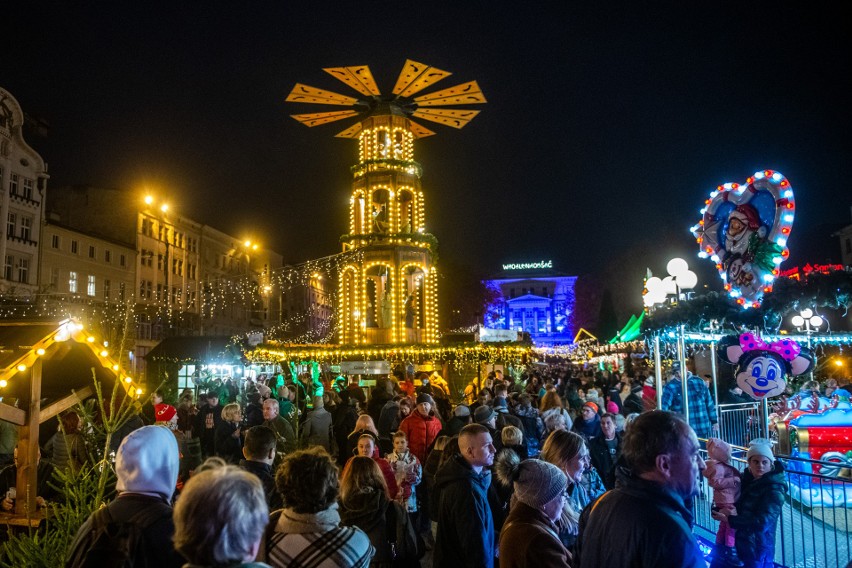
206, 422
605, 450
259, 452
146, 468
647, 509
465, 525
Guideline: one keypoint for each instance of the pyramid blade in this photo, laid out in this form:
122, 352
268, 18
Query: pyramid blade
359, 78
464, 94
317, 118
457, 118
351, 132
415, 77
307, 94
419, 131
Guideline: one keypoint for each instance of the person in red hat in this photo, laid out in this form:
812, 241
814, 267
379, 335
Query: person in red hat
166, 415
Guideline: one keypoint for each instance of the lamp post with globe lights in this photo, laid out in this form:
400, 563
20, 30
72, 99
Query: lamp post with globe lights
656, 292
807, 319
811, 322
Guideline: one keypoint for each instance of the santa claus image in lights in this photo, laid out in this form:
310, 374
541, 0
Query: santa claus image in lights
747, 254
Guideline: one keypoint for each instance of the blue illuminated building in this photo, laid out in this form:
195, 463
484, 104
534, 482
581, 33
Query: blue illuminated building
534, 298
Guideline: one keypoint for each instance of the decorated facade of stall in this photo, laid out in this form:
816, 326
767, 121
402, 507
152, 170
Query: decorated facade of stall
47, 368
456, 363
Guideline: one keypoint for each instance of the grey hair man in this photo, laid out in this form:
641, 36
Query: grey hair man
220, 518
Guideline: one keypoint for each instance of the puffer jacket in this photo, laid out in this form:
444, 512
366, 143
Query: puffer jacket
758, 509
421, 433
465, 525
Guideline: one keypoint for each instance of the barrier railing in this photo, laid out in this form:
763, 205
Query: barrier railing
741, 423
816, 520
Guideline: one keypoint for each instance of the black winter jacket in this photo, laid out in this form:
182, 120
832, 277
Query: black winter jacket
465, 525
651, 520
758, 509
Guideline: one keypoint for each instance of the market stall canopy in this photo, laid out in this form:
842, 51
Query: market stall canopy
46, 367
214, 350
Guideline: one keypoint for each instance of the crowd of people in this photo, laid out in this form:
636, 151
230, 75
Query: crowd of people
564, 467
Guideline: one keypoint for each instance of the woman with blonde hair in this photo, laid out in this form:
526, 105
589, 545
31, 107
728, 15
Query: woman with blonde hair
567, 451
363, 424
365, 503
228, 442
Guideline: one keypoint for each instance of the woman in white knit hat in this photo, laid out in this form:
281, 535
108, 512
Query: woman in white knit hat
755, 515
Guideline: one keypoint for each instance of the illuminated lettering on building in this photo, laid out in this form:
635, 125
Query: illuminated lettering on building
529, 265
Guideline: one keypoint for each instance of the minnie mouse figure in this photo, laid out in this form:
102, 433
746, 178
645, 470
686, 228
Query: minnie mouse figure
762, 367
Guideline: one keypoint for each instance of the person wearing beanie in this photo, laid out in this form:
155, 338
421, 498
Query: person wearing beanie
486, 416
146, 468
725, 480
421, 429
754, 516
460, 419
588, 424
529, 536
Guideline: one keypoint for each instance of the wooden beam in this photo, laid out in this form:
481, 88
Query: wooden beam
26, 483
12, 414
64, 404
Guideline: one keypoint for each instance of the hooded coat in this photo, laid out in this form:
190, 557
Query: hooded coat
758, 509
465, 525
529, 540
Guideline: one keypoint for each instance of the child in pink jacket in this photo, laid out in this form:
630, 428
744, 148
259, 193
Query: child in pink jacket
725, 480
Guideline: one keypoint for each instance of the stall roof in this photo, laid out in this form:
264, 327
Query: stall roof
212, 349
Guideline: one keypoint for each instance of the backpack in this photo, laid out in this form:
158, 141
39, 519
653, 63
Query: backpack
114, 543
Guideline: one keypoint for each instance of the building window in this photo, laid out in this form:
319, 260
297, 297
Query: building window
848, 245
107, 255
147, 227
28, 189
11, 224
72, 282
121, 290
54, 241
92, 252
90, 286
26, 228
73, 247
122, 260
54, 278
106, 289
7, 269
13, 184
23, 270
160, 261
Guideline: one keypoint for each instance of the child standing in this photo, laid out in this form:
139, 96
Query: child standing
406, 468
758, 508
725, 481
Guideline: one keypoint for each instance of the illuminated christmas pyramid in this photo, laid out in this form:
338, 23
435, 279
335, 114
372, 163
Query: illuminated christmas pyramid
389, 293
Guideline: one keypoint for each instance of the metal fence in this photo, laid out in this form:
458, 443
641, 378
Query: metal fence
814, 528
741, 423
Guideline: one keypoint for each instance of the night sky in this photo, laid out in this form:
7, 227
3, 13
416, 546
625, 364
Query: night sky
605, 129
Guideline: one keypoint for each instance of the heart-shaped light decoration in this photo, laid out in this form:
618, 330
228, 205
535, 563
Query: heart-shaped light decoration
744, 231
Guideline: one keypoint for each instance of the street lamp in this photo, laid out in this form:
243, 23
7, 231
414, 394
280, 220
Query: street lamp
680, 278
810, 322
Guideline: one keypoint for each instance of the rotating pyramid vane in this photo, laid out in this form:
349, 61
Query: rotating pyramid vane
413, 78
